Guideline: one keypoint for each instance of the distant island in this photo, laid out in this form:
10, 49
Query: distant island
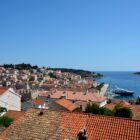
138, 73
82, 73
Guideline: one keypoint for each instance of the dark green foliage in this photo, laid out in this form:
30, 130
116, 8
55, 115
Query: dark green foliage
35, 67
8, 66
52, 75
83, 73
88, 108
5, 121
102, 110
2, 109
95, 109
125, 112
117, 107
92, 108
108, 112
119, 111
20, 66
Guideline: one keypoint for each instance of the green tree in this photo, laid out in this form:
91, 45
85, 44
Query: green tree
52, 75
118, 111
5, 121
106, 111
92, 108
124, 112
102, 110
95, 109
88, 108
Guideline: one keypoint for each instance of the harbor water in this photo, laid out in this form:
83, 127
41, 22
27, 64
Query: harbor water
125, 80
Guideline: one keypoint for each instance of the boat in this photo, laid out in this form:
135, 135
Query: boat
122, 92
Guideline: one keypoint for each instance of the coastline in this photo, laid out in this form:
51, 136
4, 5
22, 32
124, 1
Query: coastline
125, 80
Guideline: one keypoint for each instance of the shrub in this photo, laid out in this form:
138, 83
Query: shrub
88, 108
92, 108
119, 111
5, 121
95, 109
118, 106
3, 109
52, 75
123, 112
106, 111
102, 110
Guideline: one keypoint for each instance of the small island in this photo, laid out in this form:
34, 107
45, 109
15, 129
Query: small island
137, 73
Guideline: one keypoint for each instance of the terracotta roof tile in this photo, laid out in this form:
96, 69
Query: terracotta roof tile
2, 90
95, 97
14, 114
38, 101
66, 104
60, 125
109, 128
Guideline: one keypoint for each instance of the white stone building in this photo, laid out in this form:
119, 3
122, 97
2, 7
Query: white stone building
10, 99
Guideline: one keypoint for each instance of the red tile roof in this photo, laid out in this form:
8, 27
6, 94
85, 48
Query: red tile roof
38, 101
66, 104
70, 95
60, 125
111, 128
14, 114
124, 103
2, 90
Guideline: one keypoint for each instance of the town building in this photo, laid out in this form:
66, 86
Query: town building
10, 99
81, 97
64, 104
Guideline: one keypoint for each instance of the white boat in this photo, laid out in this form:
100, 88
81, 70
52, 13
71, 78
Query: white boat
122, 92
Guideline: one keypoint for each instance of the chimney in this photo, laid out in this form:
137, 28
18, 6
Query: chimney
82, 135
84, 93
74, 92
40, 113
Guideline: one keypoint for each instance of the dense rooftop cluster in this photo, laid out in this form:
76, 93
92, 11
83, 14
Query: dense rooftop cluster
59, 125
48, 104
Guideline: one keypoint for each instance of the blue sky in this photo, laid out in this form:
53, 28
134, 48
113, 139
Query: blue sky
87, 34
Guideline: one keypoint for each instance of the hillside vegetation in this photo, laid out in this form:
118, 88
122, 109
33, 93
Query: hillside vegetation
83, 73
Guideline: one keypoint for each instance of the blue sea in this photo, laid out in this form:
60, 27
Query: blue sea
126, 80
